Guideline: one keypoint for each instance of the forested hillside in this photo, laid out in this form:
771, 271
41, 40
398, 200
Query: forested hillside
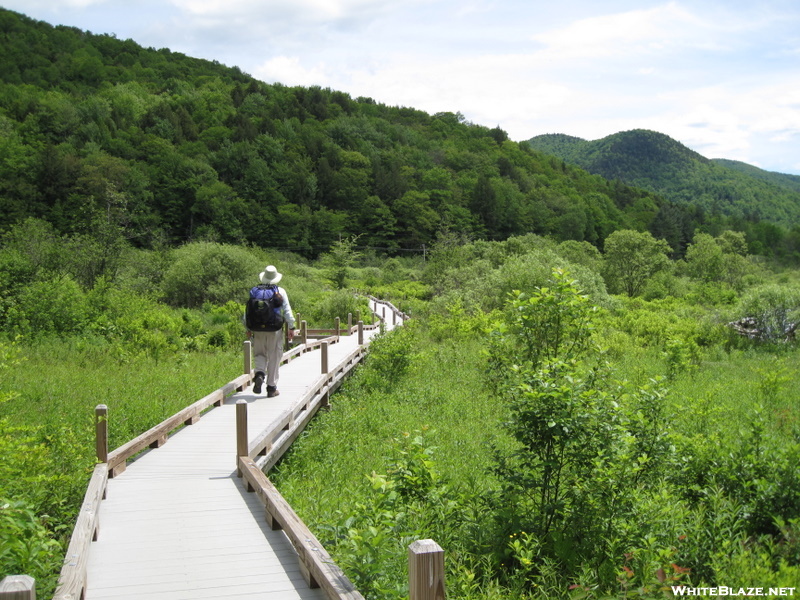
105, 138
790, 182
656, 162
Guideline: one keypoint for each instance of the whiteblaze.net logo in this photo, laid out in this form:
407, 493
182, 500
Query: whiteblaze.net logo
682, 590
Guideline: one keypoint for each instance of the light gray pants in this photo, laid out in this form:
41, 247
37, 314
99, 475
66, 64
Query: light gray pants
267, 354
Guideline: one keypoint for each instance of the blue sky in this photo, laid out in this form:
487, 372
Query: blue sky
720, 76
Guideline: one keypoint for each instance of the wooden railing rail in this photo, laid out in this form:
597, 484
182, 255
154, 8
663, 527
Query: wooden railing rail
317, 567
307, 347
72, 582
397, 313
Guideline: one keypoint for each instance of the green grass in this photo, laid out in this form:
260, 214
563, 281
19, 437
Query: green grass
327, 467
47, 447
59, 382
439, 389
722, 394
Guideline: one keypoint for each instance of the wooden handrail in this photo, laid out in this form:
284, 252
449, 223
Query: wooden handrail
72, 582
317, 567
273, 441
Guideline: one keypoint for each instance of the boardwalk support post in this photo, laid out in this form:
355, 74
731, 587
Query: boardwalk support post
242, 441
426, 571
248, 357
101, 432
361, 333
18, 587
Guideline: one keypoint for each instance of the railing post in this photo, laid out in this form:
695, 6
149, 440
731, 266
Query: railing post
426, 571
349, 323
337, 322
394, 317
248, 357
324, 357
242, 441
18, 587
361, 333
383, 313
101, 432
304, 332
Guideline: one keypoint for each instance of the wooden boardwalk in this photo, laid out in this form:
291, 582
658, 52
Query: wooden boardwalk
178, 524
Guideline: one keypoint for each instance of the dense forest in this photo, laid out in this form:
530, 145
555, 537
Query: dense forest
593, 398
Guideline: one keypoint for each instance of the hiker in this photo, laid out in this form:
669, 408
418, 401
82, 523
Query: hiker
267, 310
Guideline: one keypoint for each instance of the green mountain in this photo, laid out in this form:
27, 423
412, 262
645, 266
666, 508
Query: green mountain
656, 162
790, 182
105, 138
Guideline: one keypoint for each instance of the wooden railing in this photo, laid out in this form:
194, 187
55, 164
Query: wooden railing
426, 562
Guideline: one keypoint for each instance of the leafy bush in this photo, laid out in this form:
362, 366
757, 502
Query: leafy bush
44, 306
391, 355
219, 338
372, 543
209, 272
336, 304
585, 443
28, 546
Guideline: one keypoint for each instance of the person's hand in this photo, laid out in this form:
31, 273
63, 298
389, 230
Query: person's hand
291, 334
248, 334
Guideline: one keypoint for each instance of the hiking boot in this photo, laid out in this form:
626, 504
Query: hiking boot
272, 392
258, 382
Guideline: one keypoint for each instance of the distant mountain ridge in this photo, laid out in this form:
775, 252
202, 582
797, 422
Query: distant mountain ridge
656, 162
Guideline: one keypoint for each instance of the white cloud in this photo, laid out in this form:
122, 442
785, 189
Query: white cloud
305, 11
653, 29
288, 71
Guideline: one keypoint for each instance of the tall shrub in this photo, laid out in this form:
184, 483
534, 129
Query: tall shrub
210, 272
584, 442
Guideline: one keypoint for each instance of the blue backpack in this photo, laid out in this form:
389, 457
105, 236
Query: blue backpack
263, 311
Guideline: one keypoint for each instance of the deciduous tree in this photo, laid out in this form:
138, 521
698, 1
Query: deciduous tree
631, 258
